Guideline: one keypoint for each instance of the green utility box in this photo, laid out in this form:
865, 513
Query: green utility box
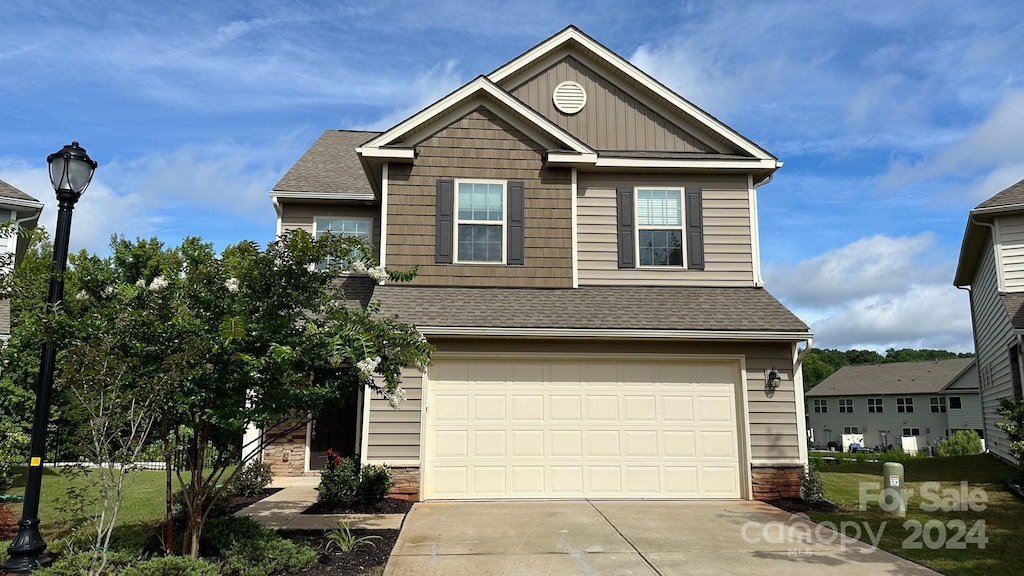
894, 496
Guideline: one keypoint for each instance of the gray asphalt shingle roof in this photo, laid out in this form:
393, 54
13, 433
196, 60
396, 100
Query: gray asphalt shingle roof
8, 191
1014, 195
591, 307
1013, 302
895, 378
331, 165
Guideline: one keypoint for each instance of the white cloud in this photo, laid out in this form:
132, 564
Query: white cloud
428, 86
877, 265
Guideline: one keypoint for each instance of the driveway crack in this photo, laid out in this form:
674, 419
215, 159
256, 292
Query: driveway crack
623, 536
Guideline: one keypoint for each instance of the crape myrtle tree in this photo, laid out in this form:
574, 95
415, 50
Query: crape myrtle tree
219, 342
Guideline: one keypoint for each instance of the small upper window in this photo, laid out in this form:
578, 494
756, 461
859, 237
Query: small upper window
874, 405
480, 211
846, 405
820, 406
905, 404
956, 403
344, 227
938, 404
659, 222
851, 429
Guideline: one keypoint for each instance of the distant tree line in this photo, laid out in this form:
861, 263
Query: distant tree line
820, 363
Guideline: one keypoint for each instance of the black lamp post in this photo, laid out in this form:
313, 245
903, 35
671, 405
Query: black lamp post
71, 171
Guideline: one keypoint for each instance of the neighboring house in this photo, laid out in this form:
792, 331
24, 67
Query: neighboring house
884, 402
587, 249
991, 267
23, 209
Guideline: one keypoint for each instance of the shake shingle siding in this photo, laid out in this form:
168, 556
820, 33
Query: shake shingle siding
481, 146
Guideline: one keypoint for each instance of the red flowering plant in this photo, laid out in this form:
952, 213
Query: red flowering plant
339, 479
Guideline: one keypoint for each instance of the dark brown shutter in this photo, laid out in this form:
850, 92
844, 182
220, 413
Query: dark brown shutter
515, 223
624, 211
443, 230
694, 229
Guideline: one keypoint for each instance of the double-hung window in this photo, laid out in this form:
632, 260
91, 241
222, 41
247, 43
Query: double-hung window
659, 222
851, 429
905, 405
911, 431
874, 405
820, 406
346, 228
846, 405
480, 225
938, 404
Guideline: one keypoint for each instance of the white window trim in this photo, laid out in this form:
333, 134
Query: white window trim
638, 228
938, 402
875, 406
846, 405
369, 238
504, 222
820, 403
851, 430
949, 405
908, 402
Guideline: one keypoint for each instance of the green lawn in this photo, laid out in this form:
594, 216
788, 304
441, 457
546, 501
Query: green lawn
1002, 516
141, 509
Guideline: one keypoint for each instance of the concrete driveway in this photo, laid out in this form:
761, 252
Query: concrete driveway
619, 538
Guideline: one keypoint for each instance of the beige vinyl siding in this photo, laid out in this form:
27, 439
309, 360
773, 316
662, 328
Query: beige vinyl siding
303, 215
993, 334
773, 426
481, 145
612, 119
394, 435
1011, 241
728, 257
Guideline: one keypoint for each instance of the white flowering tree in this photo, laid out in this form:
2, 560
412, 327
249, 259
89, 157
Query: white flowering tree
219, 342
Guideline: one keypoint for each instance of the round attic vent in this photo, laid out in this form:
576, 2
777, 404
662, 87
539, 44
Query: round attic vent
569, 97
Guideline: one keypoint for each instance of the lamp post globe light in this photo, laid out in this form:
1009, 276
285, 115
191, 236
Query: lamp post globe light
71, 170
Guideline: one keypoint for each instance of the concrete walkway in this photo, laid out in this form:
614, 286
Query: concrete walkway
639, 538
283, 511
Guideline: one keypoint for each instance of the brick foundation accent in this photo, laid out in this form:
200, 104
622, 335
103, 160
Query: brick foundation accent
776, 482
287, 455
407, 482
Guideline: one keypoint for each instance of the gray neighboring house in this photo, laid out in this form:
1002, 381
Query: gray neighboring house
886, 401
23, 209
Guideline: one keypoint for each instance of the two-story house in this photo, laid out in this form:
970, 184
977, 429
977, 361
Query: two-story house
991, 268
885, 402
586, 243
24, 211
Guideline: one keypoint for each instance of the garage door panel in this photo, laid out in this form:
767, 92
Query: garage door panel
572, 428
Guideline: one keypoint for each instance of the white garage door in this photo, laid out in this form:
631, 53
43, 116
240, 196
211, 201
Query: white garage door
572, 428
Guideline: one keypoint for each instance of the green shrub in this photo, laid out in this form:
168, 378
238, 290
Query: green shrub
961, 443
812, 487
13, 452
1012, 413
375, 483
339, 480
247, 548
78, 564
251, 480
172, 566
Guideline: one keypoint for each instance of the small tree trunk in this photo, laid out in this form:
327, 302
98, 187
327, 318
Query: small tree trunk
168, 495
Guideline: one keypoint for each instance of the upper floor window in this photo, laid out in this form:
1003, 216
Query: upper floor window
905, 404
659, 222
874, 405
846, 405
938, 404
480, 211
956, 403
344, 227
820, 405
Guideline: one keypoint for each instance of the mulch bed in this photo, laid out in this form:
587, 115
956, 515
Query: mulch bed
8, 523
798, 505
351, 563
387, 506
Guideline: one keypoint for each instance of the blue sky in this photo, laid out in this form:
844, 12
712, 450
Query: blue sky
893, 119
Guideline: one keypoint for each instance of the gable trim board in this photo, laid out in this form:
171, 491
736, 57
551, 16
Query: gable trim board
613, 333
573, 34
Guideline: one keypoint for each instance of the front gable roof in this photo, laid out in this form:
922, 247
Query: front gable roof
734, 152
330, 169
895, 378
11, 196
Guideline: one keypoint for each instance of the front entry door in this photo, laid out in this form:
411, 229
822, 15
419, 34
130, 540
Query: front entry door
334, 429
